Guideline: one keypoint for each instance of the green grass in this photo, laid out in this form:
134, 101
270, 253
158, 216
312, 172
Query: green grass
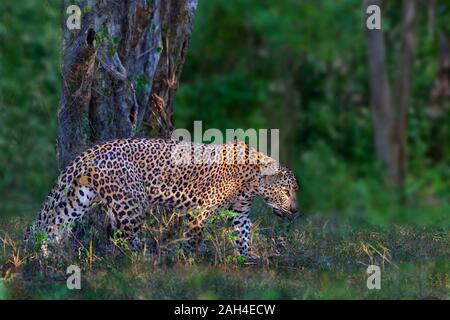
313, 258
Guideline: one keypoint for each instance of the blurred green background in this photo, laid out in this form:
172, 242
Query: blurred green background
300, 66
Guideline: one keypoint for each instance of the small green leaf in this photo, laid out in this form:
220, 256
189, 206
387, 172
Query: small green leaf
241, 259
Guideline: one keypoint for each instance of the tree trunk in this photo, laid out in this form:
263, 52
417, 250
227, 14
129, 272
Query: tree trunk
441, 89
390, 112
381, 92
440, 103
120, 71
403, 89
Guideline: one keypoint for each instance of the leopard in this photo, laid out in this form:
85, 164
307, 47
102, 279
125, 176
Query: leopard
129, 176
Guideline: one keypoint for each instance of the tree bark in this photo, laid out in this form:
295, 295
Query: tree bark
390, 111
120, 71
440, 103
380, 92
441, 89
403, 89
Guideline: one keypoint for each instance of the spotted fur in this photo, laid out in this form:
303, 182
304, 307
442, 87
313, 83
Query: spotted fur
129, 175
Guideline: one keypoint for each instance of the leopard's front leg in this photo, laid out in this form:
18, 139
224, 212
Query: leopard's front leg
241, 225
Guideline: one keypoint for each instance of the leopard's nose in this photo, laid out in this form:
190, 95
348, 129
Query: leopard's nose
294, 208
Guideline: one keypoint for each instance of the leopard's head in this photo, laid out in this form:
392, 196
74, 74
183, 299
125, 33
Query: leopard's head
279, 189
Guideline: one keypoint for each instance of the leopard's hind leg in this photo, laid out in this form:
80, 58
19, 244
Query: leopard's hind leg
127, 208
60, 214
127, 216
70, 210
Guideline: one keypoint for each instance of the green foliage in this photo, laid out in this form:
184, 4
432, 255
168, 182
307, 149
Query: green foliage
29, 93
